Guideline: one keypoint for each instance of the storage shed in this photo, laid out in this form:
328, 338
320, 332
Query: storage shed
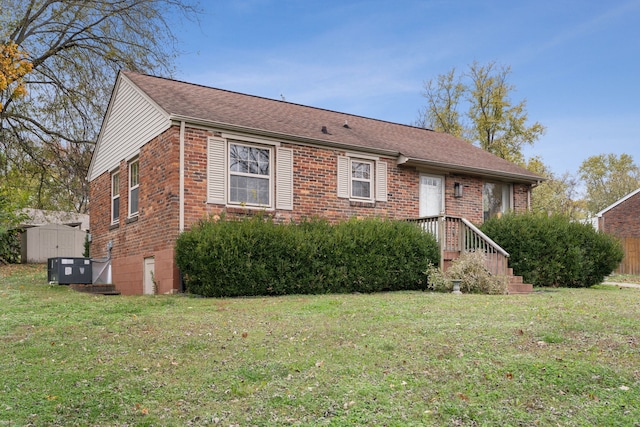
51, 241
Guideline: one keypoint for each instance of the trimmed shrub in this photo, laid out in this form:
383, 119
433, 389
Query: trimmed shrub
257, 256
553, 251
10, 244
474, 276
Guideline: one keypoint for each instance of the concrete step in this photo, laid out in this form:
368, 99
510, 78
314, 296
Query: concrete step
100, 289
515, 288
516, 279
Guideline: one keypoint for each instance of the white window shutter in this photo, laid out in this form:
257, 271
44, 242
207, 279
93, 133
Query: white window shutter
216, 171
381, 181
284, 178
343, 177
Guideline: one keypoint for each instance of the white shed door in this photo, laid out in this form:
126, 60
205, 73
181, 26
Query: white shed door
48, 244
66, 243
431, 203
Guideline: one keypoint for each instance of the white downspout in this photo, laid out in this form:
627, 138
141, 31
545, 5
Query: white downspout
181, 195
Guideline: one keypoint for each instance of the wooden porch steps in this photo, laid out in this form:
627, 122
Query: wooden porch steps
516, 285
99, 289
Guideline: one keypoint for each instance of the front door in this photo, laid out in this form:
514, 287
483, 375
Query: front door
431, 195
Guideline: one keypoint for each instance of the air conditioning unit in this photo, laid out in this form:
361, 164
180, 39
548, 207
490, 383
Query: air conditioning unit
67, 271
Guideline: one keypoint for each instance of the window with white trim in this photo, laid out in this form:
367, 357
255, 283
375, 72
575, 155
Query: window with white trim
496, 199
248, 174
134, 186
362, 179
115, 197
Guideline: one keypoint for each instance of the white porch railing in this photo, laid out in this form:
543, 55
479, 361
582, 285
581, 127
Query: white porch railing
458, 235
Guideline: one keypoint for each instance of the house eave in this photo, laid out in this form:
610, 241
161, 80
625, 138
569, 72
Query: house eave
401, 159
452, 168
280, 135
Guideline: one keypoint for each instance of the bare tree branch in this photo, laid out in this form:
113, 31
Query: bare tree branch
76, 48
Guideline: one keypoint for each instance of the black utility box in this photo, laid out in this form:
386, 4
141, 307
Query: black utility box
67, 271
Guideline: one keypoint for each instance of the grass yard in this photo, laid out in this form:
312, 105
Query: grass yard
567, 357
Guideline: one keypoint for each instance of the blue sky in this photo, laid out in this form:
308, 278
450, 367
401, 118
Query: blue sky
577, 63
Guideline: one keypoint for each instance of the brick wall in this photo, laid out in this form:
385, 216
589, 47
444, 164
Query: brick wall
314, 186
623, 220
469, 206
521, 197
154, 231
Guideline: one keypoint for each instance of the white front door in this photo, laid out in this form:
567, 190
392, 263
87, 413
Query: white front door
431, 195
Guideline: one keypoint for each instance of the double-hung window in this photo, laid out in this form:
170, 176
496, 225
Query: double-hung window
134, 185
362, 178
115, 197
249, 175
248, 172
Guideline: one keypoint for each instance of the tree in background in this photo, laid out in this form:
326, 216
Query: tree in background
557, 194
443, 100
493, 121
608, 178
64, 56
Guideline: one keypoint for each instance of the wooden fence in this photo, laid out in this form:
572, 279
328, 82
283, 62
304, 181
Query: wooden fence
631, 261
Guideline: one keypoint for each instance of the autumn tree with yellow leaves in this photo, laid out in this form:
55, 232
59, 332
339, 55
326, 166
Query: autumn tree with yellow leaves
14, 65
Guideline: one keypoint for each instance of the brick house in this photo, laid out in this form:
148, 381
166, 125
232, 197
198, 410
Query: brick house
622, 219
170, 153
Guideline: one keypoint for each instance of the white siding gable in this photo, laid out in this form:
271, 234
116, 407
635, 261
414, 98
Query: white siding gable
132, 120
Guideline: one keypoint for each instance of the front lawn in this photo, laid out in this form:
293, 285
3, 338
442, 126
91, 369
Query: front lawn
567, 357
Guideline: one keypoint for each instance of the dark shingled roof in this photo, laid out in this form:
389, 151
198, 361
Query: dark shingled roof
412, 144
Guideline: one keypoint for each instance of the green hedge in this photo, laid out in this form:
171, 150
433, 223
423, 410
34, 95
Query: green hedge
553, 251
259, 257
10, 246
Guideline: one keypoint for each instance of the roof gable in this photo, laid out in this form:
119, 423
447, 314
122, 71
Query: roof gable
132, 119
622, 200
